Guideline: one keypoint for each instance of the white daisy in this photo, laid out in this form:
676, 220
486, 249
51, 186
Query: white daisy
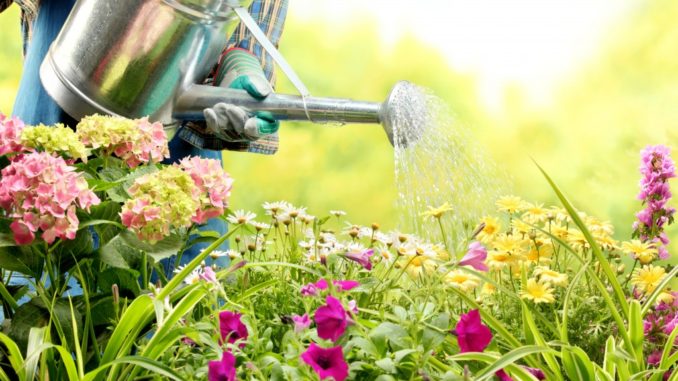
241, 217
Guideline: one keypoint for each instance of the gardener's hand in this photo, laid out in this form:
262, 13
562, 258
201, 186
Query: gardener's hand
240, 70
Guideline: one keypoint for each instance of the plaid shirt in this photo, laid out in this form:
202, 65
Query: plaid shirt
269, 14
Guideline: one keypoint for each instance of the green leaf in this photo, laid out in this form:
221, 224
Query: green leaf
155, 368
577, 364
608, 359
511, 358
636, 332
386, 332
16, 360
126, 279
7, 240
165, 248
27, 259
386, 364
117, 253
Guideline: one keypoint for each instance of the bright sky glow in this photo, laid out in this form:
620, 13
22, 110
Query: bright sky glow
532, 43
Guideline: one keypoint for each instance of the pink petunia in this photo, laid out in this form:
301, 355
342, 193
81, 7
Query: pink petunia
223, 370
326, 363
301, 322
475, 257
472, 334
361, 257
331, 319
231, 327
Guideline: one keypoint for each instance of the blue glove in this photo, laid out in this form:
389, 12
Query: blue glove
241, 70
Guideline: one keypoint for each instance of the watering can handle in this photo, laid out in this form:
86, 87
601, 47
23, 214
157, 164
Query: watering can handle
270, 49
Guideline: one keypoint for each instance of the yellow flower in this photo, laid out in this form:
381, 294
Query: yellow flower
535, 213
462, 280
645, 252
54, 139
577, 240
605, 241
491, 228
521, 227
506, 249
418, 266
488, 289
547, 275
437, 212
538, 292
510, 204
560, 231
542, 252
665, 297
647, 278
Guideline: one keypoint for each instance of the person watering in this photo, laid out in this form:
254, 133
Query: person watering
243, 64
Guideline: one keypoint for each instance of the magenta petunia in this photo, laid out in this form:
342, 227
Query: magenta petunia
475, 257
502, 375
223, 370
362, 257
326, 362
231, 327
472, 335
536, 372
331, 319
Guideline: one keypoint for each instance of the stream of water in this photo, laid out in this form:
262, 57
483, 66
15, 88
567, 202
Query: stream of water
437, 160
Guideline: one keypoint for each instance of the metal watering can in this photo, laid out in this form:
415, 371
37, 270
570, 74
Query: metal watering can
134, 58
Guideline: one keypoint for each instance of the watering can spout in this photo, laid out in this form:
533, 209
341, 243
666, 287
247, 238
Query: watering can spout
192, 102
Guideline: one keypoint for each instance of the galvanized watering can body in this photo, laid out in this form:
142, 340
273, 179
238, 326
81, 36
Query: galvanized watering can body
137, 58
131, 57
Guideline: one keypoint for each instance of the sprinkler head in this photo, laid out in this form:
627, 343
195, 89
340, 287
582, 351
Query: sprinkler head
397, 112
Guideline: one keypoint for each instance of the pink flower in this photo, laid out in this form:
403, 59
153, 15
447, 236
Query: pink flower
362, 257
301, 322
309, 290
326, 362
231, 327
536, 372
475, 257
213, 183
331, 319
472, 335
208, 275
41, 192
654, 358
10, 135
223, 370
502, 375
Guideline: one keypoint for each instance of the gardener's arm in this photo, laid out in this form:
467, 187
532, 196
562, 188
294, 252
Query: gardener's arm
243, 65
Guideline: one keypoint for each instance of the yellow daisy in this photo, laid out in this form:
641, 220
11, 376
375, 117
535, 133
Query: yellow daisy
647, 278
542, 252
462, 280
510, 204
665, 297
545, 274
645, 252
437, 212
488, 289
538, 292
490, 229
535, 213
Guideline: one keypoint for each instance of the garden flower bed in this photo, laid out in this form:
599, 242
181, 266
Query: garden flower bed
534, 292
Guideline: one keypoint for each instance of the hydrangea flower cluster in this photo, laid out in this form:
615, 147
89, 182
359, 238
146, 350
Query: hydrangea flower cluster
657, 168
41, 192
54, 139
134, 141
10, 135
160, 200
213, 183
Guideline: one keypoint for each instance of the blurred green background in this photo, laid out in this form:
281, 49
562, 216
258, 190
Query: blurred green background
588, 138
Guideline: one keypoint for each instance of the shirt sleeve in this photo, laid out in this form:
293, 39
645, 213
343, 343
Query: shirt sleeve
270, 15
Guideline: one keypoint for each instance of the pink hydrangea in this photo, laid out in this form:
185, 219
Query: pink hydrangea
10, 135
41, 192
149, 147
214, 185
